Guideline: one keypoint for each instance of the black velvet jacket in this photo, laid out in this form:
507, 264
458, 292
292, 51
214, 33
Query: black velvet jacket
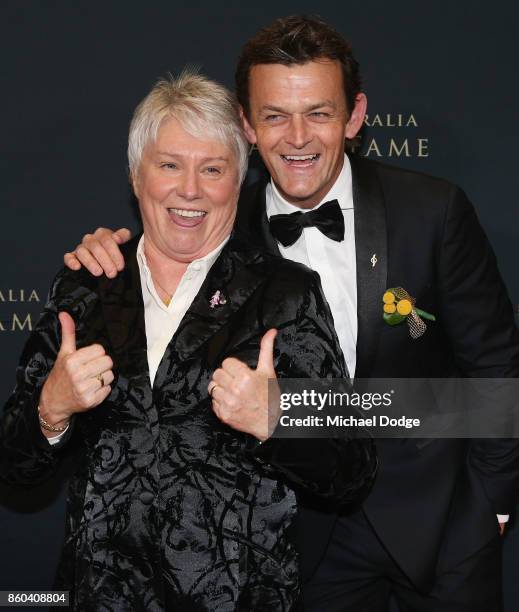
169, 509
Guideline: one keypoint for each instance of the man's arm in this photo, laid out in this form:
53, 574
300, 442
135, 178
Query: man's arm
99, 252
478, 316
476, 311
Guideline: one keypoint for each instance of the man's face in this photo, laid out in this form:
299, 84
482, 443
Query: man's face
299, 120
187, 190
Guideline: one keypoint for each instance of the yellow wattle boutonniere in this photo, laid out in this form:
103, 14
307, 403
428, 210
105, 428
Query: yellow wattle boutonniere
399, 306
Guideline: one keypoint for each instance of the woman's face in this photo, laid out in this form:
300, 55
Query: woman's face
188, 191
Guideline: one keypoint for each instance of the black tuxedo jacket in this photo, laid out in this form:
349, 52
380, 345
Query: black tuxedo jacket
169, 508
427, 239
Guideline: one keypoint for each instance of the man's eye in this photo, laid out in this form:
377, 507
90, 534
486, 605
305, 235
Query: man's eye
213, 170
168, 165
273, 118
320, 115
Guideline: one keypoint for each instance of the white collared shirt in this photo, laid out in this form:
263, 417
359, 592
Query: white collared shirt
334, 261
162, 321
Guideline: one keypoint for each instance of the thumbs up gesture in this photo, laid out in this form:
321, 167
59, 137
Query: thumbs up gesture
79, 380
240, 394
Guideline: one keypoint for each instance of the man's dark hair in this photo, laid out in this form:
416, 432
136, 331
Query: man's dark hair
297, 40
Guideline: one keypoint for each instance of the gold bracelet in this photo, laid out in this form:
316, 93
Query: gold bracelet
45, 425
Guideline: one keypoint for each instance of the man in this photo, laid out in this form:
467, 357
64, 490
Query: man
172, 506
428, 531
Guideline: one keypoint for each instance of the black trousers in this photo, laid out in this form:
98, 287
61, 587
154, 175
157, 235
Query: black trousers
358, 575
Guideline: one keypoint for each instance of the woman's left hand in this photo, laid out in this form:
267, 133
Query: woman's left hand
240, 394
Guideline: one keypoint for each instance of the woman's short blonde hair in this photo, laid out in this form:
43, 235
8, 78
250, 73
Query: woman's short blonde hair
204, 108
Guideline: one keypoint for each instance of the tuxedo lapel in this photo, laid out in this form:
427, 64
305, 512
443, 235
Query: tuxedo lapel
371, 260
123, 313
262, 223
252, 223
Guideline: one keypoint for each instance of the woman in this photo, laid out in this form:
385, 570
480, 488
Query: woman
171, 508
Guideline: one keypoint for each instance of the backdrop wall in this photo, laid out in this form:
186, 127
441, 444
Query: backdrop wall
443, 99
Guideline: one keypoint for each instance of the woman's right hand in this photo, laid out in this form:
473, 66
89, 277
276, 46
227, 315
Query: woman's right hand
99, 252
79, 380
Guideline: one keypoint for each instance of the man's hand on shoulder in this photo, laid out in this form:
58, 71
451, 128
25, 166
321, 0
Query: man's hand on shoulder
99, 252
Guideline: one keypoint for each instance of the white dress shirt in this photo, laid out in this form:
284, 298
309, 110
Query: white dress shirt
334, 261
161, 321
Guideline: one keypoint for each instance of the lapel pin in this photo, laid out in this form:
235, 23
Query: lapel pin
374, 260
218, 299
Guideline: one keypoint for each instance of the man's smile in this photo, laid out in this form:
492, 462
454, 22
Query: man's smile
301, 161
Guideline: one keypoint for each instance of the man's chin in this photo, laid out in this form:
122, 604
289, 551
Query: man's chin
302, 197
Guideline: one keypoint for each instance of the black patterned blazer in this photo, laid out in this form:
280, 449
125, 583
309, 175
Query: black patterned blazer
168, 508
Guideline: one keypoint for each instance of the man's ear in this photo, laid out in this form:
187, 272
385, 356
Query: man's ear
247, 127
357, 116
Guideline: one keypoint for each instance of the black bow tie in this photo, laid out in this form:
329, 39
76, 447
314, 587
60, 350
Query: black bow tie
327, 218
